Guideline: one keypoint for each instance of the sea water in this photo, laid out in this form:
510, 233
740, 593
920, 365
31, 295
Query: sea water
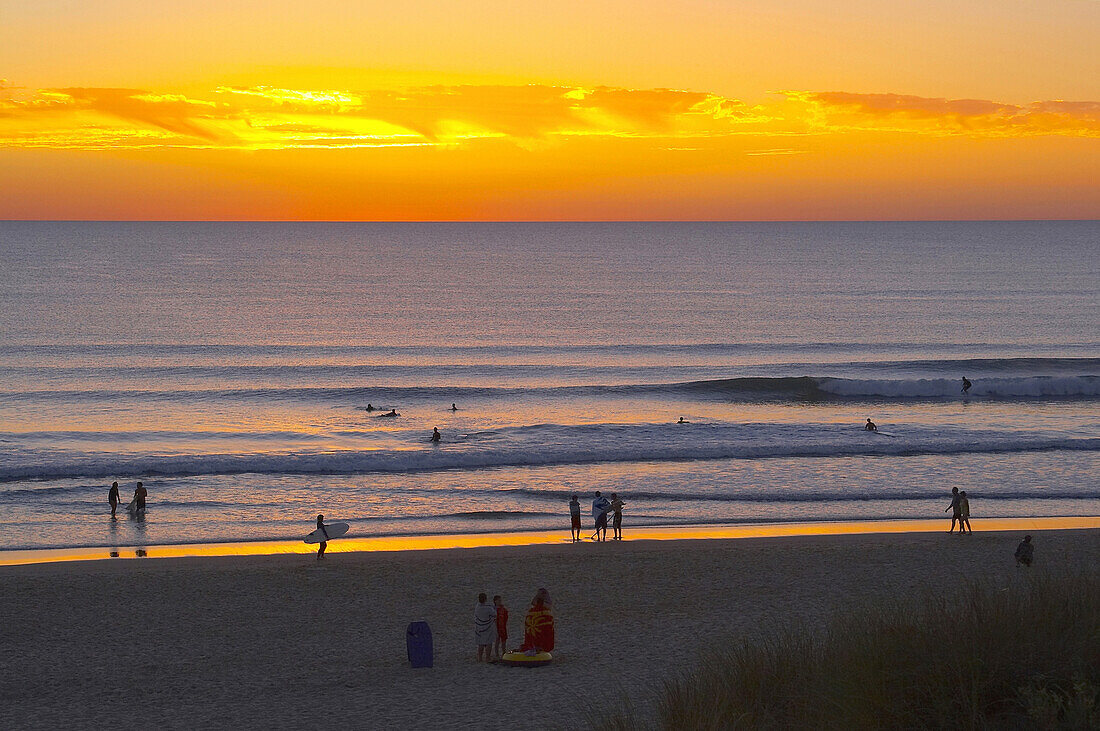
229, 367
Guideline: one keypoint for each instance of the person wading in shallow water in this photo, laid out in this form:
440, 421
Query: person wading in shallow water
112, 498
324, 544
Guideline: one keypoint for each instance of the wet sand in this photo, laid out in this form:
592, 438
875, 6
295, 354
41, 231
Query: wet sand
285, 641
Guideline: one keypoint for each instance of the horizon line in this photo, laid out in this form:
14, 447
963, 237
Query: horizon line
550, 220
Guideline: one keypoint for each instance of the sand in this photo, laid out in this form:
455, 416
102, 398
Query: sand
289, 642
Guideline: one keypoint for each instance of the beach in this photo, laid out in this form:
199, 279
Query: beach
285, 641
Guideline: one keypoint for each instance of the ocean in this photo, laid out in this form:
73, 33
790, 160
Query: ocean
229, 366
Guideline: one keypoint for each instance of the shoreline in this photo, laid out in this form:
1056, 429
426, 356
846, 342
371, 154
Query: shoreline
435, 542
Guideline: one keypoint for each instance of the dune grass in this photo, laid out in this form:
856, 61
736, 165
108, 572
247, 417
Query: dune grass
1026, 656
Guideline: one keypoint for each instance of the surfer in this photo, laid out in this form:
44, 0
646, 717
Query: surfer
112, 498
954, 508
485, 629
870, 426
575, 519
1025, 552
454, 408
681, 421
617, 516
436, 436
600, 506
370, 407
324, 544
966, 384
391, 412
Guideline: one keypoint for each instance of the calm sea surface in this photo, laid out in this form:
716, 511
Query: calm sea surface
229, 367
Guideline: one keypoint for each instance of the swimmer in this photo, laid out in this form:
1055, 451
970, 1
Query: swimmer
370, 407
870, 426
436, 436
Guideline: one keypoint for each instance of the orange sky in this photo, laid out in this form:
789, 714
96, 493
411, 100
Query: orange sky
689, 109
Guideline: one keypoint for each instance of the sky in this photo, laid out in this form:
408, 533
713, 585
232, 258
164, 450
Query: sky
570, 110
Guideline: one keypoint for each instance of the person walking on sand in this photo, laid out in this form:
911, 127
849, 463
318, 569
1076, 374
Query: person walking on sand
600, 506
112, 498
966, 384
954, 508
617, 516
1025, 552
324, 531
964, 512
575, 519
485, 628
500, 646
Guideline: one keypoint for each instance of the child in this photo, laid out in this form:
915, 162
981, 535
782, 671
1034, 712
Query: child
484, 628
499, 647
617, 516
575, 518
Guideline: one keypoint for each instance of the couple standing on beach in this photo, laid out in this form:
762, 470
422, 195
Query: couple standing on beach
960, 511
601, 506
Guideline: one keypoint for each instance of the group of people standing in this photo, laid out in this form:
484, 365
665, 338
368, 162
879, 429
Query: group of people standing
491, 626
601, 506
137, 505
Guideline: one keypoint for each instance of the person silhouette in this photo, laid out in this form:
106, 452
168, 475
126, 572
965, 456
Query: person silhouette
324, 544
966, 384
436, 436
870, 426
1025, 552
956, 510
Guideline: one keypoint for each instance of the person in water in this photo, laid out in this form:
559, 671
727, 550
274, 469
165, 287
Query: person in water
966, 384
454, 408
436, 436
600, 506
538, 625
370, 407
324, 544
1025, 552
964, 512
956, 515
112, 498
500, 647
681, 421
485, 628
617, 516
139, 498
391, 412
870, 426
575, 519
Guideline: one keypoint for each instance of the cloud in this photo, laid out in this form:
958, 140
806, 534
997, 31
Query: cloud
530, 116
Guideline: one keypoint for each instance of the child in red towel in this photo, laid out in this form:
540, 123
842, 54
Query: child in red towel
499, 647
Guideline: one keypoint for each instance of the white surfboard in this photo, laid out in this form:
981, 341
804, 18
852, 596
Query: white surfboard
334, 530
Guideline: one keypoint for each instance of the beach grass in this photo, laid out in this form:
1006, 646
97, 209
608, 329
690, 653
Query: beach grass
1022, 656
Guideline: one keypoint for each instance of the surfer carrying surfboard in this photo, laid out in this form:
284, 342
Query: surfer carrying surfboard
324, 544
